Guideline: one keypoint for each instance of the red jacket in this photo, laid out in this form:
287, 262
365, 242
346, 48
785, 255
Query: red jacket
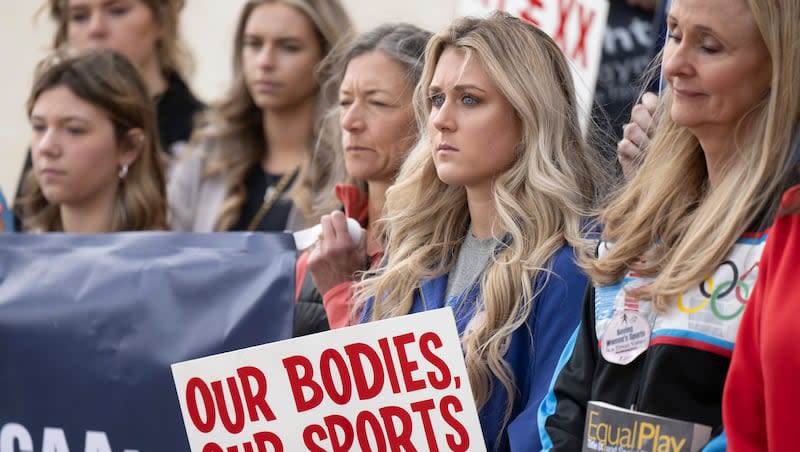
761, 404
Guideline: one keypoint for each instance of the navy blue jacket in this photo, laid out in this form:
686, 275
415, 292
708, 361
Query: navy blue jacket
533, 352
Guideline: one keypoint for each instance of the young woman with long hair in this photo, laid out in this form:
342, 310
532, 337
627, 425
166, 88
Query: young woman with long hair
146, 33
488, 211
252, 165
96, 155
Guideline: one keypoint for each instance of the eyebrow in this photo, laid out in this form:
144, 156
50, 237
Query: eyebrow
368, 92
102, 5
63, 118
703, 28
460, 88
279, 39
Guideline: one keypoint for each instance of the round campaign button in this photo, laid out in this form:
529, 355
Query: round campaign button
626, 337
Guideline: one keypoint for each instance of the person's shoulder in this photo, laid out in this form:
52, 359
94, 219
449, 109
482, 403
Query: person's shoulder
188, 167
179, 97
190, 157
564, 263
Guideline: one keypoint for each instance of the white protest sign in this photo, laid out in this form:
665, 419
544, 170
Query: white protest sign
396, 384
577, 26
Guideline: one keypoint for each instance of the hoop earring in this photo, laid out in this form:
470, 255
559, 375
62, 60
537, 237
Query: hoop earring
123, 171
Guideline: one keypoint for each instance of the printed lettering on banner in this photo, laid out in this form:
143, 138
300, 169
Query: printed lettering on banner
577, 26
396, 384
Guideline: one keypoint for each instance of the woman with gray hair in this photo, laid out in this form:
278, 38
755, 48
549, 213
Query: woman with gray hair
376, 129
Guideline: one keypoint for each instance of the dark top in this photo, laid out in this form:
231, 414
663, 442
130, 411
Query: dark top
257, 182
175, 110
682, 373
626, 56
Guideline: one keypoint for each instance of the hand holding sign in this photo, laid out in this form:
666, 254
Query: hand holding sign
340, 252
398, 382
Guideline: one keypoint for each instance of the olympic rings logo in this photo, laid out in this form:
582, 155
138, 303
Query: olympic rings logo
712, 294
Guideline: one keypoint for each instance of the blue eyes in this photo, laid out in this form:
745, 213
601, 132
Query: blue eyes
437, 100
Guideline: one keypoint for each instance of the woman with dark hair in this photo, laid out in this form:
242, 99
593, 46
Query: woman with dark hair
96, 156
145, 32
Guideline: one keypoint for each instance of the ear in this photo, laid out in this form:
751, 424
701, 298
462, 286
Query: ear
132, 146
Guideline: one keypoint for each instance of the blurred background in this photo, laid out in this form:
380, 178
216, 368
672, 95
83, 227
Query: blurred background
208, 29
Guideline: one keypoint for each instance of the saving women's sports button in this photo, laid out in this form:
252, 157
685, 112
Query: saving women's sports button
626, 337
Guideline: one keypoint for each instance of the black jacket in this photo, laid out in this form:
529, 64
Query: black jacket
309, 312
682, 373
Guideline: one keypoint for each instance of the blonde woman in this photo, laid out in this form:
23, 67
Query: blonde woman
682, 242
96, 156
251, 164
487, 212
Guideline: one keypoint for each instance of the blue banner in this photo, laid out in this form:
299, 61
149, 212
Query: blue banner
89, 325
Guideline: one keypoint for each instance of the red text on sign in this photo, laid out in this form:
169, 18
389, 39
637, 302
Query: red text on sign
213, 398
390, 429
344, 374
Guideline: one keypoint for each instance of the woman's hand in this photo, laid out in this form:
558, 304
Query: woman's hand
636, 135
336, 258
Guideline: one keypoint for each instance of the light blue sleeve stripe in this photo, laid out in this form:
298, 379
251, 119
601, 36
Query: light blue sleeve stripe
548, 406
718, 444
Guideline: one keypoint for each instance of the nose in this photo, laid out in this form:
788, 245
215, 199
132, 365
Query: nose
441, 118
266, 57
677, 60
351, 118
45, 144
98, 27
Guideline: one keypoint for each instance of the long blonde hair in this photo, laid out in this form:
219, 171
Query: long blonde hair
540, 201
666, 223
108, 81
234, 126
173, 54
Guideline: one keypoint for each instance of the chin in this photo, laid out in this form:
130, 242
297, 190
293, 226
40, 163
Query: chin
53, 198
684, 118
447, 178
361, 175
358, 171
266, 104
